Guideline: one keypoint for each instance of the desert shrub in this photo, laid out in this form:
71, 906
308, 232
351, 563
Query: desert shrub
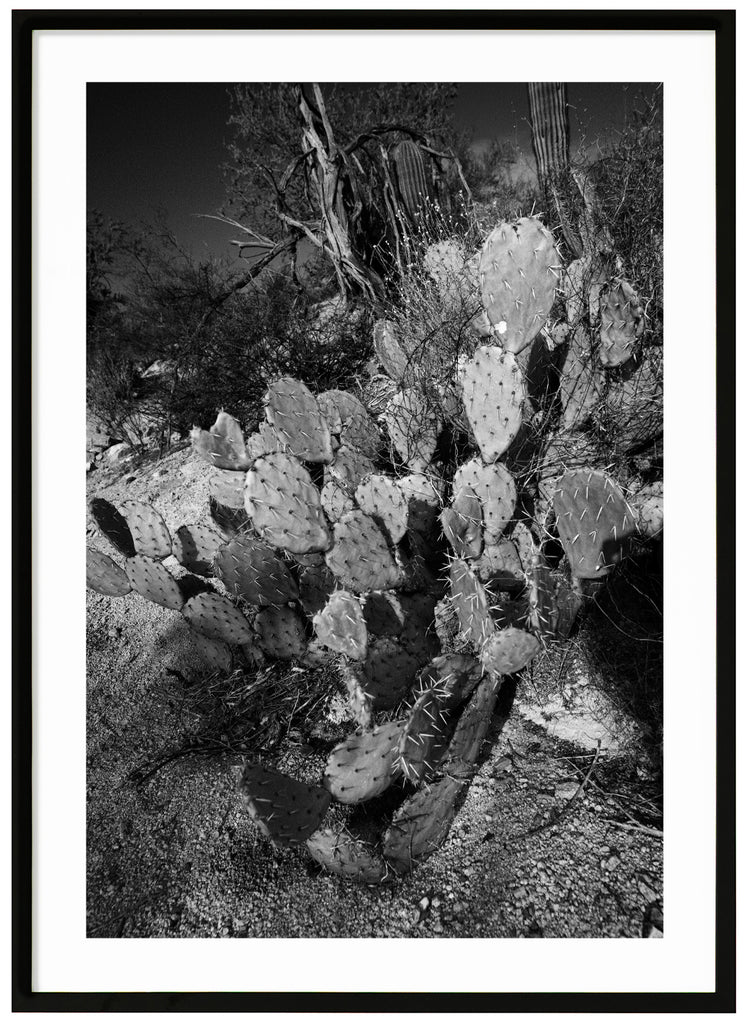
112, 392
221, 344
264, 333
629, 184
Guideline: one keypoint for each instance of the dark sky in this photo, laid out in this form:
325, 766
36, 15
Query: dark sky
162, 145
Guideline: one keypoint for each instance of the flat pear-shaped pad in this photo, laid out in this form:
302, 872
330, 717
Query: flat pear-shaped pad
288, 811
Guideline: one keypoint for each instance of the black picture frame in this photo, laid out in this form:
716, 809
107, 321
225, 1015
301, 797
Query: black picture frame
723, 999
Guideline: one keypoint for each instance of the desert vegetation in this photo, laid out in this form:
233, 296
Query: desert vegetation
429, 399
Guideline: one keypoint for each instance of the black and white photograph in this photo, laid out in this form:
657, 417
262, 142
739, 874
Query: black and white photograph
374, 473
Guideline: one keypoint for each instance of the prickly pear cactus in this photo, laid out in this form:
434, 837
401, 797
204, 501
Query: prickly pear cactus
470, 601
419, 562
500, 565
363, 766
149, 578
519, 271
223, 445
350, 422
508, 650
648, 506
281, 633
621, 324
288, 811
113, 525
342, 853
342, 627
104, 575
251, 570
389, 351
424, 737
294, 413
594, 521
493, 396
495, 487
381, 498
150, 534
462, 524
285, 506
421, 824
217, 618
360, 557
195, 546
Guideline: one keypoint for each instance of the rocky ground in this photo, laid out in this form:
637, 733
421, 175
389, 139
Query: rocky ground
559, 834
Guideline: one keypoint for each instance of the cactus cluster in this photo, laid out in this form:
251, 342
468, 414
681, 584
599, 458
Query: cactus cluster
332, 531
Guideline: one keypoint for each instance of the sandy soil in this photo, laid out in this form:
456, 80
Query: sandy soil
533, 852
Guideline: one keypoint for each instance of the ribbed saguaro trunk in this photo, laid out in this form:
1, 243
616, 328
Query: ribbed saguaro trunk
550, 132
548, 115
548, 110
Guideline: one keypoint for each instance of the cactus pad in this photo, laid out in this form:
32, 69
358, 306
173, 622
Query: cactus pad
445, 263
359, 703
229, 521
149, 578
500, 564
349, 467
423, 737
315, 584
594, 522
217, 618
284, 504
281, 632
648, 505
621, 324
223, 445
341, 626
251, 570
362, 766
471, 730
391, 355
337, 500
493, 394
569, 604
360, 557
581, 381
543, 609
104, 575
286, 810
113, 525
227, 488
385, 677
348, 418
346, 855
194, 547
215, 654
380, 497
421, 824
519, 270
495, 488
470, 602
383, 613
508, 651
149, 532
453, 676
297, 419
462, 524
